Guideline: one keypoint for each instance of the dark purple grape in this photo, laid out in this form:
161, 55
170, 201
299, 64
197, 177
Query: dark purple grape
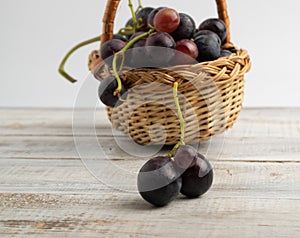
216, 25
186, 28
208, 47
185, 156
120, 37
135, 56
208, 32
160, 49
109, 48
141, 42
161, 39
158, 181
106, 91
225, 53
150, 19
197, 179
129, 23
142, 18
232, 49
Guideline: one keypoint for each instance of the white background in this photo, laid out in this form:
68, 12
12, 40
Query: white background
35, 35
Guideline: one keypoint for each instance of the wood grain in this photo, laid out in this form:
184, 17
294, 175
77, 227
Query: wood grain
46, 190
221, 148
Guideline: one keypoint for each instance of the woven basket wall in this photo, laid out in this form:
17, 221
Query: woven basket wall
211, 93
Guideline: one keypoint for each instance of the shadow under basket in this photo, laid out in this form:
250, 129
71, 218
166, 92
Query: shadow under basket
210, 94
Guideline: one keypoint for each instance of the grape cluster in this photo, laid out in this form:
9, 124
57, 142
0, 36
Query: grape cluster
161, 179
164, 29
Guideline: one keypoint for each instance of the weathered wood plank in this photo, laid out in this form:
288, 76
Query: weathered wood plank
125, 215
242, 179
219, 148
49, 122
252, 122
45, 190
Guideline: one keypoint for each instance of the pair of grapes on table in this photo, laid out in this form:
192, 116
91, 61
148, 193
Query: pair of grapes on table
184, 170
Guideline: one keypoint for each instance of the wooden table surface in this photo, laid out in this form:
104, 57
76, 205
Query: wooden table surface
51, 186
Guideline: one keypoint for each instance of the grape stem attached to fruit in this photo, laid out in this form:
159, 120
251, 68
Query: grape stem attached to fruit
181, 120
129, 30
121, 54
61, 68
134, 20
123, 31
140, 6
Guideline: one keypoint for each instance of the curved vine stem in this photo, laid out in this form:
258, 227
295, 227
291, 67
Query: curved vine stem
181, 119
61, 68
121, 54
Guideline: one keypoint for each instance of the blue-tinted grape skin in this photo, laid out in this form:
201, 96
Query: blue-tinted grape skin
225, 53
208, 47
209, 33
186, 28
216, 25
165, 173
106, 91
197, 179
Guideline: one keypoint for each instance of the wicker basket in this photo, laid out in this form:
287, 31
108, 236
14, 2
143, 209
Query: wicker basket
212, 100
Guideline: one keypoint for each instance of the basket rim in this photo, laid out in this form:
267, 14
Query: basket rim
112, 8
97, 66
234, 65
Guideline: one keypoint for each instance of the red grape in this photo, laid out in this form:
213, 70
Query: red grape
166, 20
187, 52
188, 47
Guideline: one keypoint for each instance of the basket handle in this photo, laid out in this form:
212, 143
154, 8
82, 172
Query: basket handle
111, 10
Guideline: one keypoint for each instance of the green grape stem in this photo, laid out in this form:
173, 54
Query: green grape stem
140, 6
129, 30
134, 20
181, 120
61, 68
126, 31
121, 53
